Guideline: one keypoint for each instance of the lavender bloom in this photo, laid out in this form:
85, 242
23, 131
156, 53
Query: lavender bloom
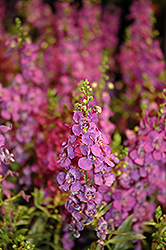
102, 229
67, 154
70, 181
87, 158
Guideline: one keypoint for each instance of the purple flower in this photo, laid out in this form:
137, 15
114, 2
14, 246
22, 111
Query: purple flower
72, 204
67, 154
102, 229
138, 154
6, 156
70, 180
91, 211
104, 178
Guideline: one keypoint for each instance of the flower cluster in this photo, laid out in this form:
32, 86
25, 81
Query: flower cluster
47, 65
142, 65
141, 55
141, 175
87, 158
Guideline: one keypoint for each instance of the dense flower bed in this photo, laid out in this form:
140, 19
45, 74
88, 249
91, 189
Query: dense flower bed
83, 127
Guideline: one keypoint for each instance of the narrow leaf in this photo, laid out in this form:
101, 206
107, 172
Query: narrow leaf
126, 224
125, 237
103, 211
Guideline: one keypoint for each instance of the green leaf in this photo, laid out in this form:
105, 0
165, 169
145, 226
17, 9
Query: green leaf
116, 232
22, 222
158, 213
38, 226
20, 231
103, 211
47, 199
126, 224
125, 237
31, 210
150, 223
5, 237
127, 245
44, 210
98, 247
56, 217
93, 246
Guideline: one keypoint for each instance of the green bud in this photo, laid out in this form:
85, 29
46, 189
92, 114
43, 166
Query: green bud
90, 98
98, 109
22, 243
19, 39
119, 172
85, 101
86, 81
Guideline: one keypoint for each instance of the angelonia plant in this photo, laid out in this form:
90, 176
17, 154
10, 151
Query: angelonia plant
87, 162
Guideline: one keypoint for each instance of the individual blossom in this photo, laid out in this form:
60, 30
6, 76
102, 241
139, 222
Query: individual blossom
70, 181
102, 229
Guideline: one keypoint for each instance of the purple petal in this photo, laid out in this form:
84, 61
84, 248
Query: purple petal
99, 166
75, 187
65, 163
61, 178
115, 159
77, 116
4, 129
84, 149
143, 172
148, 147
77, 215
98, 198
86, 139
98, 179
72, 138
64, 187
2, 140
70, 151
76, 129
110, 163
109, 179
157, 155
81, 197
133, 154
107, 150
96, 150
85, 163
139, 161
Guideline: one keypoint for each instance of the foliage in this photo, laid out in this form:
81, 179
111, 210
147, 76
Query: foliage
159, 236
